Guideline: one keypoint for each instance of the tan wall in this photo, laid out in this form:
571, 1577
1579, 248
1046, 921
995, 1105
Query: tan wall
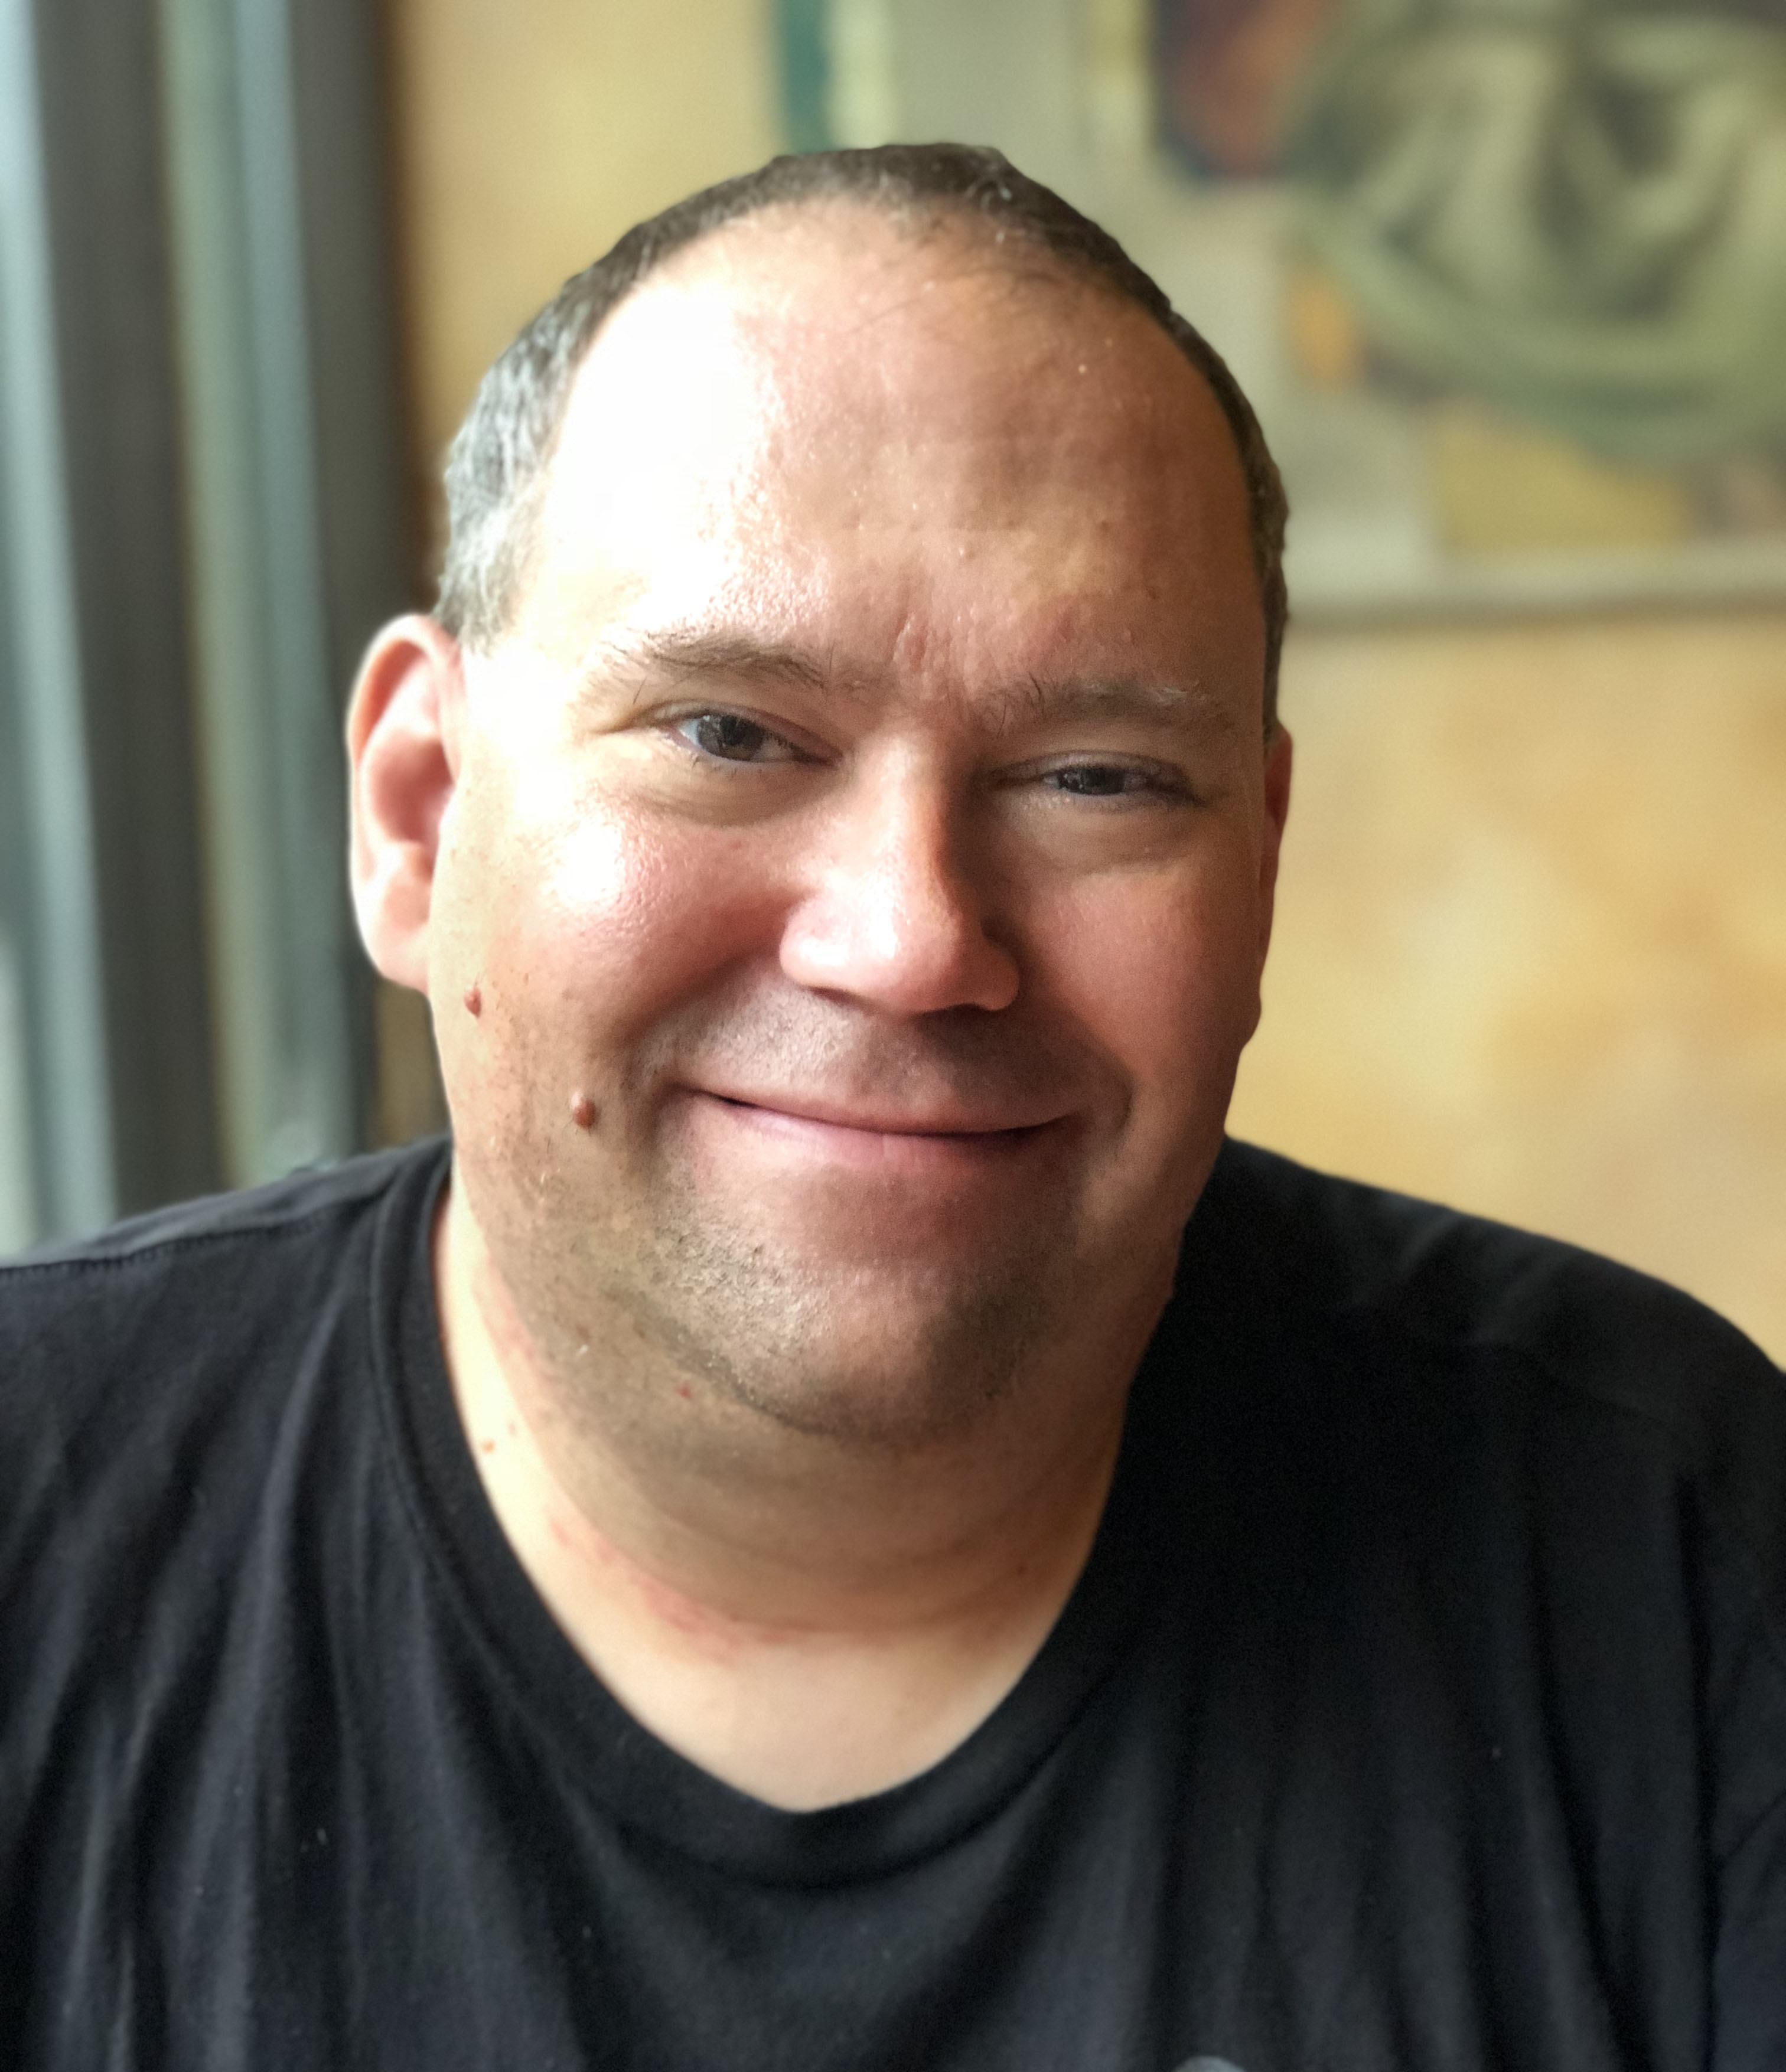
529, 135
1532, 946
1532, 949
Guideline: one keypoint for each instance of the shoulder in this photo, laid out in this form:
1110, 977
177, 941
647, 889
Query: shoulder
1539, 1329
122, 1346
1309, 1246
281, 1209
190, 1261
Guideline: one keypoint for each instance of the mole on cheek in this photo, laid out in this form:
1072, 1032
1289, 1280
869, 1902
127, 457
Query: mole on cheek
582, 1111
474, 1001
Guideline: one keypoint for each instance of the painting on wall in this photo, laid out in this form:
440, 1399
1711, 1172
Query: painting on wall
1506, 281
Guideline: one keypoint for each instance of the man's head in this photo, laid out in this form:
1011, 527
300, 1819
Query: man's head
839, 850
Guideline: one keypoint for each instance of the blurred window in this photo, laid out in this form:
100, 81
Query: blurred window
200, 525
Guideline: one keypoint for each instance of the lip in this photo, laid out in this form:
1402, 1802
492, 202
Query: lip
930, 1151
937, 1126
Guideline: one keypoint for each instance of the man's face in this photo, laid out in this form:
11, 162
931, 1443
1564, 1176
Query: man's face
868, 820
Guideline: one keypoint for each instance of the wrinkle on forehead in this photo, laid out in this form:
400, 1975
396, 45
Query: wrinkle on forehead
731, 440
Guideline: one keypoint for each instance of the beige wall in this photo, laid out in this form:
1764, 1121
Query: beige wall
1531, 948
529, 135
1531, 954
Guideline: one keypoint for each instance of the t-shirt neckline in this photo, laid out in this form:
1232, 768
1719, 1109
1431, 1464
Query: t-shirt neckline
594, 1742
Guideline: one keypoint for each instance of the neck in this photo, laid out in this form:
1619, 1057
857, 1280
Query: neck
809, 1621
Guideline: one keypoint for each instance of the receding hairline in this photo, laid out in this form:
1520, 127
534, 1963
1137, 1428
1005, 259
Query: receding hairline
1022, 262
503, 455
925, 224
924, 220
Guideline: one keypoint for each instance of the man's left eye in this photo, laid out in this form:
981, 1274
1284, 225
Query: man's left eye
1101, 780
733, 739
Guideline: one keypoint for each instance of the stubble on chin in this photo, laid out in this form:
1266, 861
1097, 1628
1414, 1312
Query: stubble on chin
886, 1356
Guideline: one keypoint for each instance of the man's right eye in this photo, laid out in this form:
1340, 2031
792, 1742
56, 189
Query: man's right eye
733, 739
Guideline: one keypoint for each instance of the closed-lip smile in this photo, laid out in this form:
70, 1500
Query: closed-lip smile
818, 1113
938, 1145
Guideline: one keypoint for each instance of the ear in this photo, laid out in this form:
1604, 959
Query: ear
404, 726
1279, 756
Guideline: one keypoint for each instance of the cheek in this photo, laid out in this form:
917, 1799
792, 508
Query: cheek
593, 900
582, 922
1162, 973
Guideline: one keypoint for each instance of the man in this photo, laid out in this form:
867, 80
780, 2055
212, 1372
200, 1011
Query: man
784, 1551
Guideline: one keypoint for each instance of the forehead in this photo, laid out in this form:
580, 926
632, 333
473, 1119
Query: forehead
819, 425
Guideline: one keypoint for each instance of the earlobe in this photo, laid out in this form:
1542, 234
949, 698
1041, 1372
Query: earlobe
404, 731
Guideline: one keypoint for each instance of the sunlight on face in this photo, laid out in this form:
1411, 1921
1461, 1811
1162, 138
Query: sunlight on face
867, 821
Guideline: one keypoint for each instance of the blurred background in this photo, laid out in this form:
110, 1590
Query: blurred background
1507, 283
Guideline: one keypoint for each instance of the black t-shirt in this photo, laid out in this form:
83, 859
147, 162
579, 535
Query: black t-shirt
1422, 1705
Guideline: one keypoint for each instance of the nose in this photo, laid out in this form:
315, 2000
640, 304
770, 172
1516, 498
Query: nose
892, 918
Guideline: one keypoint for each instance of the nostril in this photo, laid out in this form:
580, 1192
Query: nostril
896, 955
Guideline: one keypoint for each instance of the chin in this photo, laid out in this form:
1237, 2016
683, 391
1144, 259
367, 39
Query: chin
863, 1400
869, 1354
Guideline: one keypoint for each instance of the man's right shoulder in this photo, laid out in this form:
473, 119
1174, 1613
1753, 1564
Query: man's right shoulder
122, 1346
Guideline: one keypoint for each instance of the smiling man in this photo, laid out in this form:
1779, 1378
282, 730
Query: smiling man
838, 1525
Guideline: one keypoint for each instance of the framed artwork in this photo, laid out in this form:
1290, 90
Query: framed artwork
1507, 282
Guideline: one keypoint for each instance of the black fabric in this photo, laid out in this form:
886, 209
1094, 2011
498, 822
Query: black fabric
1423, 1704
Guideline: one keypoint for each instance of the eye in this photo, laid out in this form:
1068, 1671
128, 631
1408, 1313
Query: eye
731, 738
1106, 780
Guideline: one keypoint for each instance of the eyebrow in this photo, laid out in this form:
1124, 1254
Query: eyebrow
1105, 698
694, 657
697, 657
